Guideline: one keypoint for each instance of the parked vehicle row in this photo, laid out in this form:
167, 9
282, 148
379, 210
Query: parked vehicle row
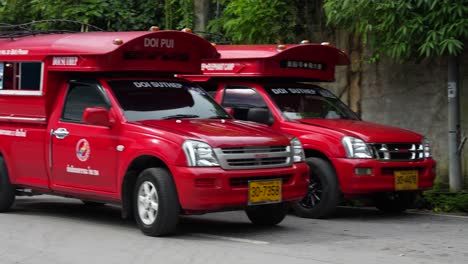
101, 117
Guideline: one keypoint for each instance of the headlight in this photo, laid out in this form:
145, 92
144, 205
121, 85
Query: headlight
199, 154
356, 148
297, 150
426, 147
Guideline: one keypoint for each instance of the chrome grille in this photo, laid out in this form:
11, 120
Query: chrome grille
398, 151
254, 157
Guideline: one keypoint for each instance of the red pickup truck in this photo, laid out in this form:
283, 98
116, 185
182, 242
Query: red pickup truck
99, 116
348, 157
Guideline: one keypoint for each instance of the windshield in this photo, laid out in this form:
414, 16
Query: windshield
162, 99
309, 101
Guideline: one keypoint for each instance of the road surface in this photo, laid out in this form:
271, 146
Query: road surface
53, 230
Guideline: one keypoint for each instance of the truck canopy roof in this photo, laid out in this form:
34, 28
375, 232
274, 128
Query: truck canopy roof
305, 61
166, 51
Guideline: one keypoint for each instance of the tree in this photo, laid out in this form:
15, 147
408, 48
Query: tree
256, 21
412, 30
404, 29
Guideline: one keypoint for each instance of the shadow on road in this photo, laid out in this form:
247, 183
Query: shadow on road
222, 224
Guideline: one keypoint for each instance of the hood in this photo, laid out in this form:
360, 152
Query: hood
369, 132
221, 133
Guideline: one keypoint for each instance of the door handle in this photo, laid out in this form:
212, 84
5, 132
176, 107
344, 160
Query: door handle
60, 133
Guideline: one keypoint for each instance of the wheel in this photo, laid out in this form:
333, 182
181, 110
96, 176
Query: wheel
395, 202
156, 205
324, 193
7, 190
91, 203
266, 215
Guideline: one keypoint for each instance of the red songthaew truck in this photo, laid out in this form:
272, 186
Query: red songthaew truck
99, 116
274, 85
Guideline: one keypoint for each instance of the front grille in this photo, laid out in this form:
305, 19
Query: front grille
255, 162
391, 171
244, 181
254, 149
254, 157
398, 151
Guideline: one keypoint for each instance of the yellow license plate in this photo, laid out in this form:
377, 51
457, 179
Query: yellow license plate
264, 192
406, 180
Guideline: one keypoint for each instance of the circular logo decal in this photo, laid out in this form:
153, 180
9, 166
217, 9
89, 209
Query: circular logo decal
83, 150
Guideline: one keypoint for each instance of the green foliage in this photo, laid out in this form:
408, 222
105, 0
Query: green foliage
257, 21
446, 202
404, 29
107, 14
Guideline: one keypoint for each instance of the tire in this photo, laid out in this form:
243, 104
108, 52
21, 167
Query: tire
7, 190
324, 193
266, 215
92, 204
156, 205
395, 202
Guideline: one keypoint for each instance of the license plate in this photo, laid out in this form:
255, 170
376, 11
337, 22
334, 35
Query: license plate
406, 180
261, 192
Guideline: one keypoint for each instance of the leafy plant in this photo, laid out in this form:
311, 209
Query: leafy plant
404, 29
257, 21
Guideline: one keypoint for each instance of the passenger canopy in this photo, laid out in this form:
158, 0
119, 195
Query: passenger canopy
307, 61
162, 51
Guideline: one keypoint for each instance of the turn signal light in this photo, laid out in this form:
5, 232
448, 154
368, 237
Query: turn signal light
305, 41
325, 43
363, 171
188, 30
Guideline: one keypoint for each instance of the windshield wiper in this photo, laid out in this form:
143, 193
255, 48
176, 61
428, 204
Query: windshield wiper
219, 117
179, 116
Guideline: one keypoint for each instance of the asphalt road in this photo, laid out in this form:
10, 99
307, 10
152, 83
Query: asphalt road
52, 230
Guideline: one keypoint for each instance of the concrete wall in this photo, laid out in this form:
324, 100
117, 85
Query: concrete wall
413, 96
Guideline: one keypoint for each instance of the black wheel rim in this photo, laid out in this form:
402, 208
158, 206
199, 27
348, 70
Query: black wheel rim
314, 193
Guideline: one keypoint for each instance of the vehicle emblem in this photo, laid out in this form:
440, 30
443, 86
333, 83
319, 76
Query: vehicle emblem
83, 150
259, 156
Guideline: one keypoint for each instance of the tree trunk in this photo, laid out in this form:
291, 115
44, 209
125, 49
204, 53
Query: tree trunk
355, 73
201, 11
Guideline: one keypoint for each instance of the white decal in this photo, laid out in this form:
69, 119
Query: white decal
13, 133
83, 150
14, 52
452, 89
157, 85
279, 91
158, 43
218, 66
65, 61
84, 171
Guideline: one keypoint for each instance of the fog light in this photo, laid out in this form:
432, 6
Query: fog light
363, 171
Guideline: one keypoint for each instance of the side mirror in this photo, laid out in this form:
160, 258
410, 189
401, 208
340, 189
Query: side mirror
229, 110
98, 116
260, 115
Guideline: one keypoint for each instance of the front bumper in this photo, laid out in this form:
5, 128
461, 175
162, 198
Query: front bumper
205, 189
382, 177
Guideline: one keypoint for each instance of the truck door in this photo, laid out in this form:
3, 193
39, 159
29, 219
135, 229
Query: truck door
83, 156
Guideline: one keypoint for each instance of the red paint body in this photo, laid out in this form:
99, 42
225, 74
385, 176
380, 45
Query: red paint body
260, 66
95, 169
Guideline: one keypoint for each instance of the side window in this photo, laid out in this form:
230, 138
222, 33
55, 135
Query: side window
21, 78
241, 99
80, 97
241, 96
